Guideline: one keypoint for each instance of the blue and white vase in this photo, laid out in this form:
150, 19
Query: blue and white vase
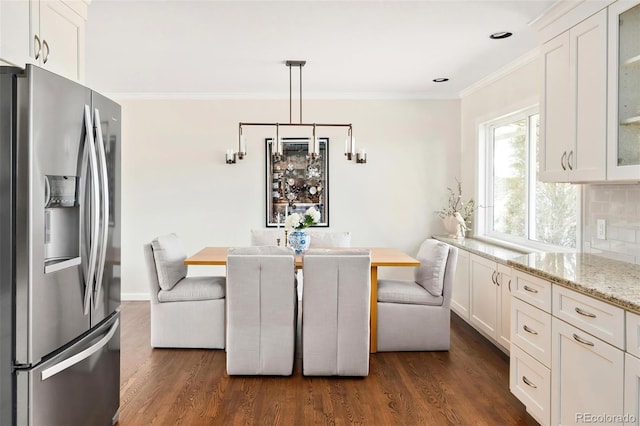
299, 240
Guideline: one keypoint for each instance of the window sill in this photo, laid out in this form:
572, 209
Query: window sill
525, 249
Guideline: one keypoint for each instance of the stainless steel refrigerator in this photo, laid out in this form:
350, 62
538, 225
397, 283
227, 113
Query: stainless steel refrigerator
59, 251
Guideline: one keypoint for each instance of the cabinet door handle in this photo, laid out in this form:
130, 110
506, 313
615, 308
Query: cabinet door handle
529, 330
581, 340
495, 277
509, 285
569, 160
530, 290
45, 55
585, 313
562, 160
528, 382
37, 46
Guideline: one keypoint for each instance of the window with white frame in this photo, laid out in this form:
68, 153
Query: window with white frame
518, 208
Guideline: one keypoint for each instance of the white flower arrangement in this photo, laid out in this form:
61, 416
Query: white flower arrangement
301, 221
456, 207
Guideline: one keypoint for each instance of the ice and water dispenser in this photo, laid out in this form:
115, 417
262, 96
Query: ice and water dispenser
61, 223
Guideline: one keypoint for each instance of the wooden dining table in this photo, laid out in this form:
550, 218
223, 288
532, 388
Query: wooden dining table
380, 256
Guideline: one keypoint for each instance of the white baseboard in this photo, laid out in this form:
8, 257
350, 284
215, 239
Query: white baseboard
134, 296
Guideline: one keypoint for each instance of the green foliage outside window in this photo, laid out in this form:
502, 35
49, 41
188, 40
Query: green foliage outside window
524, 207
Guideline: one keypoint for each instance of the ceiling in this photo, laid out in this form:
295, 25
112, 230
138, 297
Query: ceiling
354, 49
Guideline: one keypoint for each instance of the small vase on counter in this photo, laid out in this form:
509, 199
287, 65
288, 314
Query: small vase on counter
453, 227
299, 240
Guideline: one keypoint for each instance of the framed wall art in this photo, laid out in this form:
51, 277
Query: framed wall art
297, 181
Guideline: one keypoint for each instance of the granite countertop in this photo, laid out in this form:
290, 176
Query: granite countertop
481, 248
609, 280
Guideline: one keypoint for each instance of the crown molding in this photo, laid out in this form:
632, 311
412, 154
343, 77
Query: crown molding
176, 96
565, 14
502, 72
553, 13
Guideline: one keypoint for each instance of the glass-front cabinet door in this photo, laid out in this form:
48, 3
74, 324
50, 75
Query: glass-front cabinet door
624, 91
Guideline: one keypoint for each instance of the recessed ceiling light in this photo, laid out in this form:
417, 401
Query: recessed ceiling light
500, 35
440, 80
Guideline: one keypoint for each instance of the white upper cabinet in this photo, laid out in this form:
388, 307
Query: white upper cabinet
574, 100
555, 126
624, 91
48, 33
589, 71
57, 32
14, 32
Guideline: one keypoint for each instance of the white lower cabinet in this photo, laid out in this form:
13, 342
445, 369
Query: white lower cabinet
633, 333
577, 343
587, 377
530, 363
631, 389
530, 381
632, 370
597, 318
531, 330
484, 295
503, 278
490, 304
533, 290
460, 294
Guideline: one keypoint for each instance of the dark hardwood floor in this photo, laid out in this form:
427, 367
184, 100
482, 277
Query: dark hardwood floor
469, 385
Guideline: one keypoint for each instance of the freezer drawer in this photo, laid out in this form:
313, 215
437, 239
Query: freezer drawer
80, 386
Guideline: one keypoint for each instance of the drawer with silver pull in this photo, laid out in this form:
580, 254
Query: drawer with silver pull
532, 290
531, 330
598, 318
530, 382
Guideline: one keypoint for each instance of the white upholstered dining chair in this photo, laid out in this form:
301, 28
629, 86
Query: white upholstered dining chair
261, 311
319, 239
415, 315
336, 306
329, 239
267, 237
186, 312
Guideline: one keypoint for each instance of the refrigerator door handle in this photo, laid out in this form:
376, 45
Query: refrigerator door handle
81, 356
104, 197
47, 192
90, 152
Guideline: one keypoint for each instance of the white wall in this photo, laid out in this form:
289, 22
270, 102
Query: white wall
515, 89
175, 179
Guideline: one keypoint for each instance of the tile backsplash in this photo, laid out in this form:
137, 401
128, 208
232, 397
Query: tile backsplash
619, 206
